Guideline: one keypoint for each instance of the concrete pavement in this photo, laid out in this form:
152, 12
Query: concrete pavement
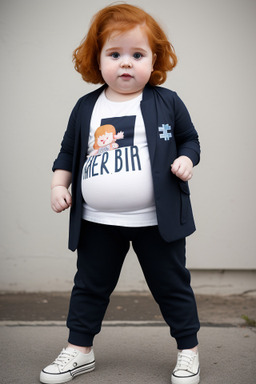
134, 345
138, 354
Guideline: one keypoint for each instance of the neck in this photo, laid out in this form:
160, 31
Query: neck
119, 97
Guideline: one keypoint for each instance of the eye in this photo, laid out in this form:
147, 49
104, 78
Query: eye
137, 55
115, 55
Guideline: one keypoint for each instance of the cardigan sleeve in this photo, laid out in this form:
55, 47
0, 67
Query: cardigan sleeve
64, 159
186, 135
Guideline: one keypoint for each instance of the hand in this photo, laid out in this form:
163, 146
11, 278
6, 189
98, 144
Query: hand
60, 198
182, 168
119, 135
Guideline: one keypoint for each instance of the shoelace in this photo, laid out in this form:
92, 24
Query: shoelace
64, 357
185, 362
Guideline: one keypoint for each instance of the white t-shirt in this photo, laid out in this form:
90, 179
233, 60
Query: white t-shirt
116, 183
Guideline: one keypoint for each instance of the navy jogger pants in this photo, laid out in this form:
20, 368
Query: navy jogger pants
101, 253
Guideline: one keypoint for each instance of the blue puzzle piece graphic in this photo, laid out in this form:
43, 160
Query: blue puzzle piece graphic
165, 134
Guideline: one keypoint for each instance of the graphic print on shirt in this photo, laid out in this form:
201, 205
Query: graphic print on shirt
125, 124
105, 139
114, 149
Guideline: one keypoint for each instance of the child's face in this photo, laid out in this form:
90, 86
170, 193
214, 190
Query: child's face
105, 139
126, 63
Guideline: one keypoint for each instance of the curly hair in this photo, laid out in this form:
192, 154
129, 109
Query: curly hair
122, 18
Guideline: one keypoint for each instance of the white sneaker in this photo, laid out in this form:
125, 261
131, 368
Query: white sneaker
187, 368
68, 364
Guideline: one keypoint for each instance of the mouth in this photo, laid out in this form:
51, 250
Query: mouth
126, 76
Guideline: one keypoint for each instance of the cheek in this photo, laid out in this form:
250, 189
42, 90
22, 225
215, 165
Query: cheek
104, 66
108, 69
143, 74
109, 138
99, 142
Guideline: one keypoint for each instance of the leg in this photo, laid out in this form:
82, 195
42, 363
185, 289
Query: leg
163, 265
101, 253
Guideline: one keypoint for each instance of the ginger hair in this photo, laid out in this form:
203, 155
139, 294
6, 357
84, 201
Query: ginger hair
119, 19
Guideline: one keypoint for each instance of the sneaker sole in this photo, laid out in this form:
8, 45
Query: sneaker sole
59, 378
186, 380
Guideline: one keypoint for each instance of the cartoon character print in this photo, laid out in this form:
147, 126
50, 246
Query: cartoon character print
105, 139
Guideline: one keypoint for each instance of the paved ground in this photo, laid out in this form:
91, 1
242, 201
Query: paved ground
134, 345
216, 310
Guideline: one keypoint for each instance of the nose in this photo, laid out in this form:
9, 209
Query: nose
126, 63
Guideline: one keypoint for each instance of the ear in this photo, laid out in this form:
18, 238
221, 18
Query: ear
153, 61
98, 60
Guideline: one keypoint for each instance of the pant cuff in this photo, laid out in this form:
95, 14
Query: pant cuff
80, 339
187, 342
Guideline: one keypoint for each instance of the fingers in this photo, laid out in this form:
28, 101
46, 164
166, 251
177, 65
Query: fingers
182, 173
60, 199
60, 205
69, 199
182, 168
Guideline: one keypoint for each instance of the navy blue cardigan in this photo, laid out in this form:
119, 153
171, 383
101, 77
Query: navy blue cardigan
170, 133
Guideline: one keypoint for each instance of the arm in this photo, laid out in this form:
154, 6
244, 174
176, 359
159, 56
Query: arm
188, 145
60, 197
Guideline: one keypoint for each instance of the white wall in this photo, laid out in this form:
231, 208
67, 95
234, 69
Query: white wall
215, 77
